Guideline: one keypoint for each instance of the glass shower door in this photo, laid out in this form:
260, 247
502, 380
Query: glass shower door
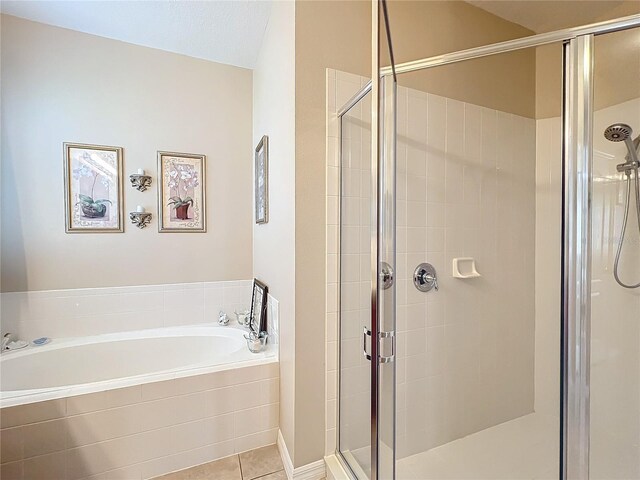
354, 421
615, 259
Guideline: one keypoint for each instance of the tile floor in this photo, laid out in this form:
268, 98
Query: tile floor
259, 464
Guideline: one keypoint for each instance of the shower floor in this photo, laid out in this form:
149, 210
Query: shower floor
523, 448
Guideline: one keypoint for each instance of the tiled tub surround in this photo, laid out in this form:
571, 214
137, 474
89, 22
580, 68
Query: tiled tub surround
142, 431
465, 187
139, 426
94, 311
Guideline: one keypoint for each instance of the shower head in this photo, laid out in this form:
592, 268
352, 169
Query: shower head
618, 132
621, 132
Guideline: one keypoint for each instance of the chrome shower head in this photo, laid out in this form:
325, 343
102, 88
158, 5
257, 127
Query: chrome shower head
621, 132
618, 132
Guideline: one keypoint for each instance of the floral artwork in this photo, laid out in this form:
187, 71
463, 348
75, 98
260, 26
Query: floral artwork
93, 188
262, 181
181, 193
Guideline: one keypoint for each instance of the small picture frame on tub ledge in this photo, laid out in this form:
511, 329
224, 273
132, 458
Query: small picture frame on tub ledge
258, 307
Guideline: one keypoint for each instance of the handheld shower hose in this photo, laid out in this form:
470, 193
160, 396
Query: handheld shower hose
620, 132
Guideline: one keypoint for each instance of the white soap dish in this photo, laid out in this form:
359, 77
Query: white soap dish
465, 268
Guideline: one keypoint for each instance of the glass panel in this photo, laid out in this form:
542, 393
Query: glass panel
615, 308
387, 292
355, 279
386, 379
479, 198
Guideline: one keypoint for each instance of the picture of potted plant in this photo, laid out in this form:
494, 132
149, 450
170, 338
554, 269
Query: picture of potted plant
181, 192
181, 206
92, 208
183, 179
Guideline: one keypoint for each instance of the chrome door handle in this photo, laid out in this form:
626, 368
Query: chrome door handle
392, 337
365, 333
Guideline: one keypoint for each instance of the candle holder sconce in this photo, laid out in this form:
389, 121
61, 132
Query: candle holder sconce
140, 181
140, 219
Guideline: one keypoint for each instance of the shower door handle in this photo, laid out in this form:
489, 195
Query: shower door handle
391, 336
365, 333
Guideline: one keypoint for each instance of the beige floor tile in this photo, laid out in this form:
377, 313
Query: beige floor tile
260, 462
224, 469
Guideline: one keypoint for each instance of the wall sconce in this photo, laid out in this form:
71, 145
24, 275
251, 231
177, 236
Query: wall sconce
140, 218
140, 181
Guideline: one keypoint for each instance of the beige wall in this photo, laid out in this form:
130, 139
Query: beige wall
337, 35
274, 242
617, 64
64, 86
504, 82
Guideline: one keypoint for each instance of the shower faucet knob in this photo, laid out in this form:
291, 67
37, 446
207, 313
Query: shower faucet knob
425, 277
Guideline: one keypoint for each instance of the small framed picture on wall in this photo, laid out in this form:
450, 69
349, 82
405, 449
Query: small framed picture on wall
181, 192
93, 188
262, 180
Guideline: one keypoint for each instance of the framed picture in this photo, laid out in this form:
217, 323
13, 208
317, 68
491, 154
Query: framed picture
181, 192
259, 307
93, 188
262, 180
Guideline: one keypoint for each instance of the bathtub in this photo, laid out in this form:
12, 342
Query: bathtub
77, 366
135, 405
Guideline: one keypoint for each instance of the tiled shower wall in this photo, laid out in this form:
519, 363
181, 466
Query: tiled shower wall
465, 188
94, 311
615, 330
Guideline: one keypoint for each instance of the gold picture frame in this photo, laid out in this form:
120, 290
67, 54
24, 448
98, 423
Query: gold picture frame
93, 192
181, 193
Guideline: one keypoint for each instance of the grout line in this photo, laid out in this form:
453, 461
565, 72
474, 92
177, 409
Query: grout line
265, 476
240, 466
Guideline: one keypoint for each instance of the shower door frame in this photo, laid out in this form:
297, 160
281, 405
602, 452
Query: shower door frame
577, 137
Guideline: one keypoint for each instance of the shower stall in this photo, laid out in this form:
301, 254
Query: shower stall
487, 259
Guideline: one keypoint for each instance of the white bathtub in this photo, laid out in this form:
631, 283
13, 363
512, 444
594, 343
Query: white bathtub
75, 366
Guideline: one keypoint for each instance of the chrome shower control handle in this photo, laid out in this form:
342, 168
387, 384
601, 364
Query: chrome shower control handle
386, 276
425, 277
430, 280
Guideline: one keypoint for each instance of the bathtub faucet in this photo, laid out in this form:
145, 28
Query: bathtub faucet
6, 340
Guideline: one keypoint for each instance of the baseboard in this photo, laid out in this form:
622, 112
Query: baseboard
284, 454
311, 471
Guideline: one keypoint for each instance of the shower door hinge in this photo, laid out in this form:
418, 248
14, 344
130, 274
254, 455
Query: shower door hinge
382, 336
391, 337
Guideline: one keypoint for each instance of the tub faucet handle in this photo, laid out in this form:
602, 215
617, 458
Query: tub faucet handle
223, 319
6, 340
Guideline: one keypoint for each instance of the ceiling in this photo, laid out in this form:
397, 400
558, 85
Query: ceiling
546, 16
228, 32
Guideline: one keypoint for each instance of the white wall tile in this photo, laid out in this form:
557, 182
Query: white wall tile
458, 191
95, 311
